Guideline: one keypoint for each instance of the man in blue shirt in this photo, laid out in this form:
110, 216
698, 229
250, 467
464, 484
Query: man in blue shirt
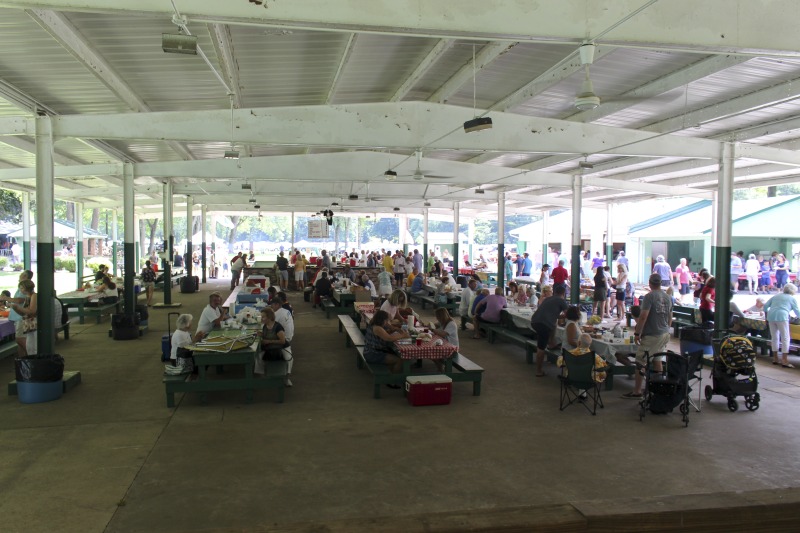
418, 285
417, 260
520, 262
527, 265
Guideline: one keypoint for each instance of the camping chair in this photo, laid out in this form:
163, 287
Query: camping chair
578, 382
695, 377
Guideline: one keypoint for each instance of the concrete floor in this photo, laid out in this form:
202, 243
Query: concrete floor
110, 456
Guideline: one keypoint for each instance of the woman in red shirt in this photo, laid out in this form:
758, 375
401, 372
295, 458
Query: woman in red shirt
707, 300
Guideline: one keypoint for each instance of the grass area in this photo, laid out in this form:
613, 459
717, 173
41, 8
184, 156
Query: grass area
64, 281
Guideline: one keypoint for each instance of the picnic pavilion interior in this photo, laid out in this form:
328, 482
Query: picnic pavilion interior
382, 108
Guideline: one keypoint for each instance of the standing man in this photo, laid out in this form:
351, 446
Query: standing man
283, 271
663, 269
431, 261
651, 332
622, 260
527, 265
560, 275
465, 307
399, 268
326, 260
149, 282
417, 260
520, 262
237, 265
544, 321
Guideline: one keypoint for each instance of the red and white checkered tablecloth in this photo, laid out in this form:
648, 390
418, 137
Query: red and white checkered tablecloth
427, 350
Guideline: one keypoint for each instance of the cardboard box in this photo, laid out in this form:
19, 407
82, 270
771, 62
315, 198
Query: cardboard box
429, 390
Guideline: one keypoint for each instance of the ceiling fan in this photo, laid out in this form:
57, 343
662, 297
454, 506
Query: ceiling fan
587, 99
420, 174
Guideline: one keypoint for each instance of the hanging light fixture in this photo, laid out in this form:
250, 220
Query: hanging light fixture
233, 153
477, 123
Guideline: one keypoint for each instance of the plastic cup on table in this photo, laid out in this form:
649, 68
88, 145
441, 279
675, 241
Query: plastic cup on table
419, 341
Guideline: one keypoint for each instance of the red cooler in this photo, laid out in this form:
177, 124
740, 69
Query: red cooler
429, 390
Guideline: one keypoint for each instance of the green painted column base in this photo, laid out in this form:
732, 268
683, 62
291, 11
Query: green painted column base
722, 304
575, 274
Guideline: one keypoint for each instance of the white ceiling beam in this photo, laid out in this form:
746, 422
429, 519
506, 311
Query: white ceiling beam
679, 78
337, 77
487, 54
422, 69
68, 36
716, 25
406, 125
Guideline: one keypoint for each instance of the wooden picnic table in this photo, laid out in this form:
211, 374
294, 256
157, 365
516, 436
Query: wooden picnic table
80, 299
343, 297
409, 351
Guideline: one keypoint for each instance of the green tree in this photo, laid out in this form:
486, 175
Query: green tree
10, 206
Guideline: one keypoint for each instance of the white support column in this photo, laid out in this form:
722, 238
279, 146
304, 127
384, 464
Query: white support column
470, 239
575, 274
129, 245
203, 224
188, 265
501, 231
114, 238
723, 243
609, 234
545, 235
79, 251
456, 222
44, 236
425, 252
26, 230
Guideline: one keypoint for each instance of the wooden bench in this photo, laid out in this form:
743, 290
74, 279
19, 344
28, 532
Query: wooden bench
354, 336
274, 378
70, 380
380, 373
96, 310
8, 348
65, 328
328, 306
142, 329
495, 331
468, 371
682, 316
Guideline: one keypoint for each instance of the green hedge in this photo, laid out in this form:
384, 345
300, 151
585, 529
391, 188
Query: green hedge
3, 262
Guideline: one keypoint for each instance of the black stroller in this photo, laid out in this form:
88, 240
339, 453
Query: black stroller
665, 390
734, 373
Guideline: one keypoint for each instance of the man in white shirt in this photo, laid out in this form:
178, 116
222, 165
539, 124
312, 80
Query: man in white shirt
399, 268
464, 308
212, 316
285, 319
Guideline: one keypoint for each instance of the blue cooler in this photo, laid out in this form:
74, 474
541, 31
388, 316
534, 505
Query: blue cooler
695, 338
30, 392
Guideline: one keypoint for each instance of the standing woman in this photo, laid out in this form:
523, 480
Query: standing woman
707, 296
781, 271
622, 282
777, 312
300, 271
27, 309
600, 292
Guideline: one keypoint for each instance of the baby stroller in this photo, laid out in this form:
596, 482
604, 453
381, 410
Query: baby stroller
665, 390
734, 373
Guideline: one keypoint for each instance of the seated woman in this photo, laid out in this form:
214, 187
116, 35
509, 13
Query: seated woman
107, 289
547, 292
584, 347
379, 344
273, 339
572, 329
445, 326
393, 305
513, 291
180, 357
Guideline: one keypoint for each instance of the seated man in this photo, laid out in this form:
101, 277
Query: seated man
367, 284
488, 310
418, 285
323, 288
212, 316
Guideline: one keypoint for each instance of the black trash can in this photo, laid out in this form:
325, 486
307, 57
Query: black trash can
188, 285
39, 378
124, 327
